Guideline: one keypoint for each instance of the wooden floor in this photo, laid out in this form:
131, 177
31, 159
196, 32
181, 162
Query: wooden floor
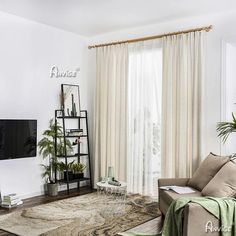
31, 202
152, 227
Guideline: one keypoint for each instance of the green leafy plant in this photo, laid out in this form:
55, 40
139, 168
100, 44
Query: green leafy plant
47, 143
63, 167
47, 173
78, 167
226, 128
47, 149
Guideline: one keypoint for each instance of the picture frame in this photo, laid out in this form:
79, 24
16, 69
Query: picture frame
70, 100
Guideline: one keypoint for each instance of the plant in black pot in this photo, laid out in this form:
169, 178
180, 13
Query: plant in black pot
66, 168
47, 150
78, 170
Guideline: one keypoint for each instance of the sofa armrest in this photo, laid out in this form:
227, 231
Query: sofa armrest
166, 182
196, 220
173, 181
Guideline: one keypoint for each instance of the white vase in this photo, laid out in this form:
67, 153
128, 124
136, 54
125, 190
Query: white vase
110, 174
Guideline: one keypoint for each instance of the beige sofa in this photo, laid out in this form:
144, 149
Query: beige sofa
195, 217
216, 177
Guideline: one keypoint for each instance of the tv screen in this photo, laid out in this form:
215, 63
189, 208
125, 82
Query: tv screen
18, 138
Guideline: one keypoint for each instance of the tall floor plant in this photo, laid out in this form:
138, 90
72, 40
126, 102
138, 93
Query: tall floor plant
47, 150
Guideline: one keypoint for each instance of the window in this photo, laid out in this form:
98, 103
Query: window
144, 118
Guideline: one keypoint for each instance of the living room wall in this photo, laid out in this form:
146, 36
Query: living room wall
28, 51
222, 29
229, 89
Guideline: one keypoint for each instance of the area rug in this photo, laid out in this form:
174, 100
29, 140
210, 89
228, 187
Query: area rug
150, 228
80, 216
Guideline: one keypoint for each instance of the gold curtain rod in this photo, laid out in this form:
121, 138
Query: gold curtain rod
207, 29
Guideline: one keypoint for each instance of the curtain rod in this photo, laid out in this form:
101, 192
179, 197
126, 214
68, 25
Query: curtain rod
206, 28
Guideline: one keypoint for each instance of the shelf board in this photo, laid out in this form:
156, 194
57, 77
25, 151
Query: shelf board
63, 156
76, 155
71, 117
73, 136
62, 181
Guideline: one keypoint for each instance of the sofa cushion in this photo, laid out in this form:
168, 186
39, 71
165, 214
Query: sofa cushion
207, 170
224, 182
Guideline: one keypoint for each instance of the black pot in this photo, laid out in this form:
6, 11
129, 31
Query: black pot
78, 175
70, 176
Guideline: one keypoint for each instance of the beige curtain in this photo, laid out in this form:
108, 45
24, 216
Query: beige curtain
110, 112
181, 103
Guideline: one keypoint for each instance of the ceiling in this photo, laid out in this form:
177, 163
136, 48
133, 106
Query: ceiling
94, 17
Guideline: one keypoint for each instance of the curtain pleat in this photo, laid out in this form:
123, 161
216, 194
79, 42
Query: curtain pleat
110, 122
181, 103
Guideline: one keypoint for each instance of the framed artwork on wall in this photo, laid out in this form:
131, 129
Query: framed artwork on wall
70, 99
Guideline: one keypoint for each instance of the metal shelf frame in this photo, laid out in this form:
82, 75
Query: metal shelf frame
63, 118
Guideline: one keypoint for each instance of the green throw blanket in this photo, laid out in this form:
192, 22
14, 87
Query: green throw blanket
223, 209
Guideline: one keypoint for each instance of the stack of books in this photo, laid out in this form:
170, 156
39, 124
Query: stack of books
74, 132
11, 200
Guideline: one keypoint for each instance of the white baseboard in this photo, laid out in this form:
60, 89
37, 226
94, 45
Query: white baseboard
29, 195
61, 188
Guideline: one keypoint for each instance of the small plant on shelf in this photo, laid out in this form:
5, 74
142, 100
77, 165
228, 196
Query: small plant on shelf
47, 150
69, 167
78, 169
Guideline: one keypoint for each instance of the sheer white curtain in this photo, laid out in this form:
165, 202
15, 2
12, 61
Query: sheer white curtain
110, 123
144, 116
183, 60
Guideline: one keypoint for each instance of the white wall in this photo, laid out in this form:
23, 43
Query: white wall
28, 50
222, 28
229, 83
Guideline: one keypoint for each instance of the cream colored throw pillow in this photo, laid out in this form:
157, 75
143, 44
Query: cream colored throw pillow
224, 182
207, 170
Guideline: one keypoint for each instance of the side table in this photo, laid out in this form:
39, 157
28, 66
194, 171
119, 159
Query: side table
114, 193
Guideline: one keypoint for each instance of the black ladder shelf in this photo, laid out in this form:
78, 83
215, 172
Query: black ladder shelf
62, 117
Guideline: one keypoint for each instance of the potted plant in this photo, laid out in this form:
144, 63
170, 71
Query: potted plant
226, 128
78, 170
64, 168
47, 150
48, 174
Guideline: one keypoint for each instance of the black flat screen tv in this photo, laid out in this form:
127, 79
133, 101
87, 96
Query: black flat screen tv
18, 139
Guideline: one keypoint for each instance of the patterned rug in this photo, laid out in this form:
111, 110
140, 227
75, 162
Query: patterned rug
85, 215
150, 228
